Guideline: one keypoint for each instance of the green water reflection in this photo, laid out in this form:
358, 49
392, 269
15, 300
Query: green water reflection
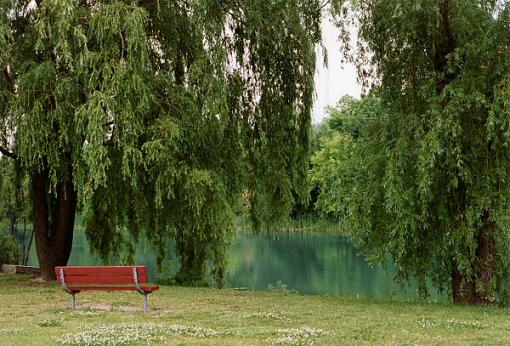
309, 262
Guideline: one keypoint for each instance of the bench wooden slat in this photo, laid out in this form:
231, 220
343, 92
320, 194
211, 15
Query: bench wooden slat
103, 270
73, 279
147, 289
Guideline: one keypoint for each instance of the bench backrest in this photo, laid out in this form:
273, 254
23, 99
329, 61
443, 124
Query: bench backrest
104, 275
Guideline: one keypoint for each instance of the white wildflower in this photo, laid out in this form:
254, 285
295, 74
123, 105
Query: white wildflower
135, 333
9, 331
269, 315
298, 336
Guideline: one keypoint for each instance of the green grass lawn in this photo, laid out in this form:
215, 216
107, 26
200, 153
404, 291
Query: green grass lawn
39, 314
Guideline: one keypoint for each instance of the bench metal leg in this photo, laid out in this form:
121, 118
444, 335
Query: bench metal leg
73, 302
145, 303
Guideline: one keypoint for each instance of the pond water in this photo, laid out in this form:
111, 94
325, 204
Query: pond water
321, 263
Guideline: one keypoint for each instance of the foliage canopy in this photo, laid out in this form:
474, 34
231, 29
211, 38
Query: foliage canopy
432, 167
154, 116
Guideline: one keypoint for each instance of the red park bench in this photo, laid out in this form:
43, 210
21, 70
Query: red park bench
115, 278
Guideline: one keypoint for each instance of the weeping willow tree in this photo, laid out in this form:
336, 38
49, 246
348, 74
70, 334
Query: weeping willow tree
156, 117
434, 166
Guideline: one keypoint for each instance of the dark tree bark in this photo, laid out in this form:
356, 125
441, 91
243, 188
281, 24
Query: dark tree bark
192, 264
442, 48
486, 259
53, 222
464, 288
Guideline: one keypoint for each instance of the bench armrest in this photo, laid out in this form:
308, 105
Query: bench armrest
137, 284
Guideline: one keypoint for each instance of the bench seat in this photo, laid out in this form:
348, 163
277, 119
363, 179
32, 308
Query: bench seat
77, 289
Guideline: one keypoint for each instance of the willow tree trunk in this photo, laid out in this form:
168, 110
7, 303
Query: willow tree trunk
193, 263
53, 221
476, 290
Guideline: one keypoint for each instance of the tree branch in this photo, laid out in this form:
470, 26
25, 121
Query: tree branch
10, 87
324, 4
450, 40
8, 79
443, 47
123, 46
7, 153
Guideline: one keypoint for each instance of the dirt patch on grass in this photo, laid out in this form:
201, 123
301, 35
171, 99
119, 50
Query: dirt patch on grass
101, 306
129, 309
